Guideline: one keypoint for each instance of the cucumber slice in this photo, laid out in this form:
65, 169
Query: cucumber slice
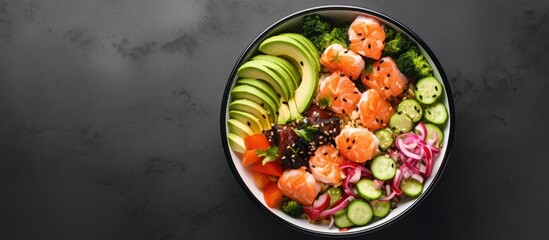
412, 187
341, 220
428, 90
385, 137
400, 122
436, 114
383, 167
381, 208
412, 108
335, 194
366, 189
359, 212
432, 130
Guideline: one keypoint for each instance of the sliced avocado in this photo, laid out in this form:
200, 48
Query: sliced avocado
239, 128
256, 70
308, 45
285, 65
253, 94
295, 115
286, 77
261, 86
236, 143
283, 114
290, 48
248, 119
253, 108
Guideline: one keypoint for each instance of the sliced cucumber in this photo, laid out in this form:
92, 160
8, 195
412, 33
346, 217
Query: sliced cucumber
385, 137
366, 189
335, 194
359, 212
428, 90
341, 220
433, 130
383, 167
436, 113
412, 187
412, 108
381, 208
400, 122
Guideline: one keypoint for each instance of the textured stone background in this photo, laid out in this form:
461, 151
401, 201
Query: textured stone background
109, 119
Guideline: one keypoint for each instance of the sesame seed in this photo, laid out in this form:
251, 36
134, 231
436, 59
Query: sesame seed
436, 88
381, 61
335, 98
342, 75
346, 51
359, 34
347, 140
369, 46
367, 78
388, 75
301, 62
344, 100
349, 148
434, 95
263, 115
321, 143
420, 97
326, 153
378, 68
343, 111
249, 124
283, 157
363, 40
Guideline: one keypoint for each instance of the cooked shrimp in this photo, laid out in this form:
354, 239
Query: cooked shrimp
342, 92
357, 144
336, 57
325, 163
385, 78
299, 185
367, 37
374, 111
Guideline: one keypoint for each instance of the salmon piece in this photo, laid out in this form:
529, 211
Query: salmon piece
385, 78
325, 163
374, 111
367, 37
299, 185
342, 92
357, 144
336, 57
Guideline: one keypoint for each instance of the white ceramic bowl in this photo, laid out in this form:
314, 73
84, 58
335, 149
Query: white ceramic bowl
292, 23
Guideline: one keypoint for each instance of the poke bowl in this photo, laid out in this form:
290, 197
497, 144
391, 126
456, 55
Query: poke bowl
337, 120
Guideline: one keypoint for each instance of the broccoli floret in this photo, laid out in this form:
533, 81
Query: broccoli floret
412, 64
314, 25
320, 31
389, 33
291, 207
397, 45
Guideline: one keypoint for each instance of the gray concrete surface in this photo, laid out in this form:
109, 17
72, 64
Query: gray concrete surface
109, 119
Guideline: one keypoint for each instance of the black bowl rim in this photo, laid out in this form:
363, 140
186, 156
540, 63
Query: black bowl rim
307, 11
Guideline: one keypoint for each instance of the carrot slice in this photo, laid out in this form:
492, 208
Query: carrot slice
270, 168
261, 180
272, 195
250, 157
256, 141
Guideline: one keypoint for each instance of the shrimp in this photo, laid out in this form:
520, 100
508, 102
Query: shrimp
385, 78
374, 111
325, 163
336, 57
357, 144
341, 91
367, 37
299, 185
